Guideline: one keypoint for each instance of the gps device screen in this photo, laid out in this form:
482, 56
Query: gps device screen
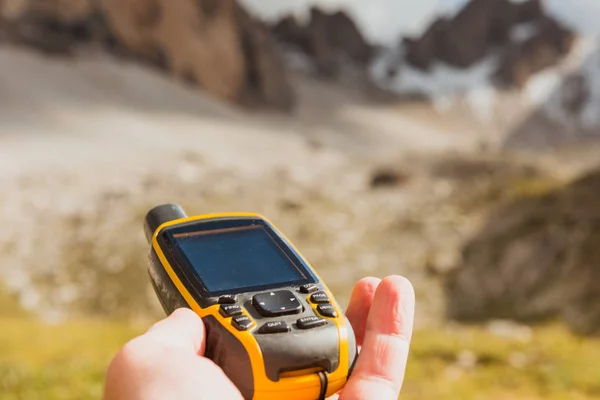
239, 258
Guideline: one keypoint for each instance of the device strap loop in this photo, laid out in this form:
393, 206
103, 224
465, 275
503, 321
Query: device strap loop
324, 378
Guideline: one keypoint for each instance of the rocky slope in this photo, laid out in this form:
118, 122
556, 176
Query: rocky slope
535, 260
81, 136
88, 144
215, 45
568, 113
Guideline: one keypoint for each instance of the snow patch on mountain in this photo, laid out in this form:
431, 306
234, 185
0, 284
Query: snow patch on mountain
442, 85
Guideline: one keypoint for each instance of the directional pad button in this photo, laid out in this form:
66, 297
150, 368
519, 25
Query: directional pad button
277, 303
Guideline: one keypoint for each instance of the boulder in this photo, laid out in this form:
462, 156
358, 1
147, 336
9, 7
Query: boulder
387, 177
536, 260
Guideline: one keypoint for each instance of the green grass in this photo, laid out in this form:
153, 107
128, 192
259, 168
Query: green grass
39, 361
552, 364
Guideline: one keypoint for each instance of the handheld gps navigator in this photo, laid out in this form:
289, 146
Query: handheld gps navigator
272, 325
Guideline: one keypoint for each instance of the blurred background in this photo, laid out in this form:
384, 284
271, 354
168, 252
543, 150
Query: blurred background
454, 142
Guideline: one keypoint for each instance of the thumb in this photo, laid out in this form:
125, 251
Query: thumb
182, 329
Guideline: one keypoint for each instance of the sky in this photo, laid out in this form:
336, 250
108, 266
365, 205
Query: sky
382, 21
581, 14
385, 21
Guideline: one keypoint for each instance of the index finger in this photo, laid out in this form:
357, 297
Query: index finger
360, 305
379, 370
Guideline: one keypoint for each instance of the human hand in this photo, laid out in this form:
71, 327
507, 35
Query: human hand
167, 361
382, 316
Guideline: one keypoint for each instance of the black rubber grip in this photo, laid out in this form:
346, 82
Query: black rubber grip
159, 215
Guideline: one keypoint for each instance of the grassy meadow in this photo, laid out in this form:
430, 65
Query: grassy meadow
68, 361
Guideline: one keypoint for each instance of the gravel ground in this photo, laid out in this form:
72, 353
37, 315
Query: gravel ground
87, 147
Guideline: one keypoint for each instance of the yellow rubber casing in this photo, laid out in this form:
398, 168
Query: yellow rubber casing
290, 387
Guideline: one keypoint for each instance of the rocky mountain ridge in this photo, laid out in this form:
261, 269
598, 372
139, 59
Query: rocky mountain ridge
522, 35
215, 45
222, 49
